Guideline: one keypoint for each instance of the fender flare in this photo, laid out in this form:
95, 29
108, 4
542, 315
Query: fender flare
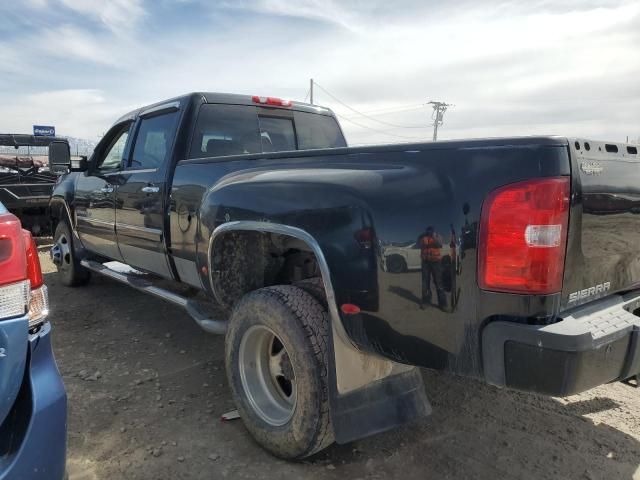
300, 234
57, 200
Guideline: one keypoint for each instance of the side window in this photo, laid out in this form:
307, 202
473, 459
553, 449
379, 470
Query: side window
112, 159
225, 130
277, 134
153, 141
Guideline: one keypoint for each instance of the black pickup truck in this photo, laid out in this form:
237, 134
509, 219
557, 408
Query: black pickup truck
525, 267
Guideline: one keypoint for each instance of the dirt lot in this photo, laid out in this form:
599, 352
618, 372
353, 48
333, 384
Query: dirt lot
146, 389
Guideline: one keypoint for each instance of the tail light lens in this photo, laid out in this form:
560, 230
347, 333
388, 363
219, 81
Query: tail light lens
13, 263
364, 237
523, 232
22, 289
38, 306
14, 299
39, 300
34, 272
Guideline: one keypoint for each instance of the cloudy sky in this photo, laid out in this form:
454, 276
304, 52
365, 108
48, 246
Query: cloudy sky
510, 67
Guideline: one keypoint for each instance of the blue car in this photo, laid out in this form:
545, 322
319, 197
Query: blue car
33, 402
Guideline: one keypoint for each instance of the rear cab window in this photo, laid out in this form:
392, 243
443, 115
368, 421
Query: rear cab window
243, 129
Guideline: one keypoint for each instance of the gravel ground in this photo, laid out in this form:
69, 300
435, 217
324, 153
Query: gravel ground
146, 389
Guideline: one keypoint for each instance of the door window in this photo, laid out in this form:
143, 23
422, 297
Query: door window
112, 160
154, 141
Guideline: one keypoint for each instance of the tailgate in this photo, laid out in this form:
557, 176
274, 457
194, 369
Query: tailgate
603, 250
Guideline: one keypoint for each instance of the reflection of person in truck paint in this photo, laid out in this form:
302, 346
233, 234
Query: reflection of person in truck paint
430, 253
453, 271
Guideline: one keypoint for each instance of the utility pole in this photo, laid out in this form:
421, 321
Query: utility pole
311, 91
438, 112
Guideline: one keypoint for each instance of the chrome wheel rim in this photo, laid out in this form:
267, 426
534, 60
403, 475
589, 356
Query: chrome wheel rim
267, 375
61, 252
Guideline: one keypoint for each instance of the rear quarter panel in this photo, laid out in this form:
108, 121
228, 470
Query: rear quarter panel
397, 192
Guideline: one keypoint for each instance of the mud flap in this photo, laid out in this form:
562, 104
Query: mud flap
385, 404
396, 399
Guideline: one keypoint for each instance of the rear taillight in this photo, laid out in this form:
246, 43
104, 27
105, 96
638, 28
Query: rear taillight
34, 272
14, 299
21, 284
39, 301
13, 264
365, 237
273, 101
523, 232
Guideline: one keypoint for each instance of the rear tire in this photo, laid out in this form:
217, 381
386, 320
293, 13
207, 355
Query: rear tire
70, 271
314, 286
277, 367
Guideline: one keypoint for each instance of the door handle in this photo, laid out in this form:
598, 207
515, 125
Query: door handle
107, 189
150, 189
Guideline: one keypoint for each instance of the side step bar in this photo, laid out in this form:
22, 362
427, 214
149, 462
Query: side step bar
208, 324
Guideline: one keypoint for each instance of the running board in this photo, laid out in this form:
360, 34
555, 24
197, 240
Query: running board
208, 324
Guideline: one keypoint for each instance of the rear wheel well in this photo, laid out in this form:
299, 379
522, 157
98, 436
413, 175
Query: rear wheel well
242, 261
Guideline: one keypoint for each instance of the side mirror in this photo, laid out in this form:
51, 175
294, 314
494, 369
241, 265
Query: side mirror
59, 157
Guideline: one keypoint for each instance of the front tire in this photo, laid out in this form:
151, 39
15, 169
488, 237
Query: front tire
396, 264
277, 366
66, 259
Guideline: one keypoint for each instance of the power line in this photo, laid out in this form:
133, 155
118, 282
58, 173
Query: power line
399, 108
416, 107
363, 114
378, 131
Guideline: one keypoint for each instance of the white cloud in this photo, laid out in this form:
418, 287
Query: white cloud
115, 14
70, 42
36, 3
82, 113
329, 11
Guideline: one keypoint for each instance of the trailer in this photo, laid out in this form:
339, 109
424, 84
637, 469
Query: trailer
25, 180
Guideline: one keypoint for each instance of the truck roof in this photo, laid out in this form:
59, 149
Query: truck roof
228, 98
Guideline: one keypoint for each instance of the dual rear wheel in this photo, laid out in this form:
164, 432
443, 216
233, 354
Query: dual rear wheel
276, 360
